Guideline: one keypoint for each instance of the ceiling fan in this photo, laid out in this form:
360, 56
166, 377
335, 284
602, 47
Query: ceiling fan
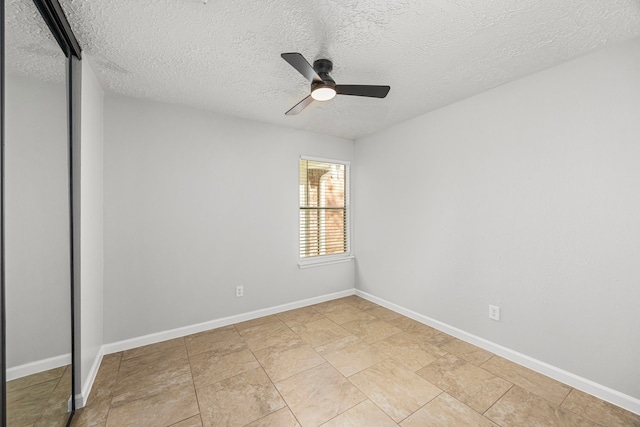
323, 87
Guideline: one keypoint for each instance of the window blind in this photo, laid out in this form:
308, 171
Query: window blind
323, 208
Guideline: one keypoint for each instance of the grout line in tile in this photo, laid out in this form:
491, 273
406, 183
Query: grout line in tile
497, 400
106, 418
193, 383
581, 415
565, 398
425, 404
270, 380
286, 404
350, 408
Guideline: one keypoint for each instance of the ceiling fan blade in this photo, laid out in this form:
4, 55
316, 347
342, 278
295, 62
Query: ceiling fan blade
363, 90
298, 62
300, 106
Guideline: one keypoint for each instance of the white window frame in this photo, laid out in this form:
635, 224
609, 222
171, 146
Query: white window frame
319, 260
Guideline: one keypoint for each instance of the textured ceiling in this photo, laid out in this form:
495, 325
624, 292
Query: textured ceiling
225, 55
30, 49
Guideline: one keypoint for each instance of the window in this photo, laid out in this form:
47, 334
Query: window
324, 210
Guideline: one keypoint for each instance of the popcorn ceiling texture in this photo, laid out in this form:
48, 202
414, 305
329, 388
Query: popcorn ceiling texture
225, 55
30, 49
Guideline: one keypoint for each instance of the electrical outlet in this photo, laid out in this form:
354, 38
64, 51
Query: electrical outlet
239, 291
494, 312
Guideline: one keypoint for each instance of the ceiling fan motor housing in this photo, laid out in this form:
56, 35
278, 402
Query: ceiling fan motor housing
323, 67
326, 82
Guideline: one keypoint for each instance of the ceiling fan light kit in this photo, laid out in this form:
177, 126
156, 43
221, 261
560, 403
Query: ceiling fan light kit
323, 93
323, 87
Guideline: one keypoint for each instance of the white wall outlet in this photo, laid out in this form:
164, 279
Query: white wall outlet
494, 312
239, 291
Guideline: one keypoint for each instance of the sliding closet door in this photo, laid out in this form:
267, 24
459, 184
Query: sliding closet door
37, 244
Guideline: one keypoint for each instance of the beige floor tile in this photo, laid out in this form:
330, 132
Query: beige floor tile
164, 404
55, 412
395, 389
350, 355
96, 411
383, 313
152, 348
410, 325
438, 339
466, 351
29, 380
410, 350
250, 325
209, 368
180, 381
431, 335
333, 305
545, 387
102, 387
134, 364
194, 421
359, 302
426, 333
66, 377
287, 359
599, 411
320, 332
108, 372
371, 331
238, 400
268, 334
155, 383
110, 362
363, 414
59, 419
257, 326
25, 405
221, 340
42, 397
73, 424
300, 316
281, 418
468, 383
146, 371
445, 411
318, 394
348, 313
519, 407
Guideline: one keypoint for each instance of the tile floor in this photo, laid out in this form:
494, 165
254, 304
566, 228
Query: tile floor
40, 399
346, 362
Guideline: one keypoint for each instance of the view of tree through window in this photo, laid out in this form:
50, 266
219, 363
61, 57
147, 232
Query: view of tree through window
323, 208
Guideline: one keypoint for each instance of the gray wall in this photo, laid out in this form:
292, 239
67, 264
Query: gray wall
195, 204
37, 222
90, 223
527, 197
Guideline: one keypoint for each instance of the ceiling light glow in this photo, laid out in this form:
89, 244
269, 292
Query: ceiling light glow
323, 93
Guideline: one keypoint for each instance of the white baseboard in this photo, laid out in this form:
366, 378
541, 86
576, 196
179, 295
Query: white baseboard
81, 399
605, 393
38, 366
217, 323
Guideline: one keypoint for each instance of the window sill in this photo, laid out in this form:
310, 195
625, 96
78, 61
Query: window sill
326, 261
